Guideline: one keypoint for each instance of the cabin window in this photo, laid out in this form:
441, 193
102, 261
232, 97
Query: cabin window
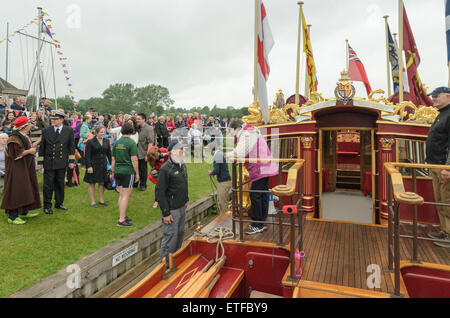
411, 151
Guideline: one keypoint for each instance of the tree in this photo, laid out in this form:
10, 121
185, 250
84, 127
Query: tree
120, 97
152, 97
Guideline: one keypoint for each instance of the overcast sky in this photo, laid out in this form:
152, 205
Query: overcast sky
202, 50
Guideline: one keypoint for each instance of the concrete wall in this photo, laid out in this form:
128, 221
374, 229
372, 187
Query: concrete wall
95, 271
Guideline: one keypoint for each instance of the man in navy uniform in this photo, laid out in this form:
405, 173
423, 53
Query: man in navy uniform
56, 152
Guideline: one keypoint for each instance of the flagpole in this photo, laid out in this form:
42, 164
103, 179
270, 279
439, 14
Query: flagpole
38, 56
448, 73
388, 69
7, 49
307, 86
346, 55
400, 50
255, 75
297, 74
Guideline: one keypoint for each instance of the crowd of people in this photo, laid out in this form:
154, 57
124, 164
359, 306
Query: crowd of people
116, 151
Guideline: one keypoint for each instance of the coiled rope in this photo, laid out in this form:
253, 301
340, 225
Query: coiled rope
217, 235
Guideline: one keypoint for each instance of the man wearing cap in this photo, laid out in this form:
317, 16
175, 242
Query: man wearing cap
21, 193
437, 152
56, 152
172, 196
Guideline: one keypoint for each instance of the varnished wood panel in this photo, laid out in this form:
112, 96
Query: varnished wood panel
339, 253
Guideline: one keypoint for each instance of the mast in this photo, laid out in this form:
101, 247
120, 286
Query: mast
346, 55
54, 81
388, 69
297, 74
38, 57
400, 49
255, 74
7, 49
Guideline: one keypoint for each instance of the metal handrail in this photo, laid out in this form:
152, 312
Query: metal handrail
397, 192
237, 208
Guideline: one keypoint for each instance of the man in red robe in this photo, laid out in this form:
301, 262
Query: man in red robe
21, 193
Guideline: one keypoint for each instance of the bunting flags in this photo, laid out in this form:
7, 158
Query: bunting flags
265, 44
356, 70
46, 29
311, 66
412, 58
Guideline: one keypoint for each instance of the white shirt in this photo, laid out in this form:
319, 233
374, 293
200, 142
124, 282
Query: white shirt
58, 129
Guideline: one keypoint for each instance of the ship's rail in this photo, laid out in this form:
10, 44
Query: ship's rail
291, 189
397, 196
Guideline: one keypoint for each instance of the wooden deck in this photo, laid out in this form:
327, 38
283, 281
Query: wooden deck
339, 253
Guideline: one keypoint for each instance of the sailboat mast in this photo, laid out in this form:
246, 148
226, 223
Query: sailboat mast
297, 75
54, 81
38, 57
7, 49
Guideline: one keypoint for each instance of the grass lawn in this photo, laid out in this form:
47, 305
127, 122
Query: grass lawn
48, 243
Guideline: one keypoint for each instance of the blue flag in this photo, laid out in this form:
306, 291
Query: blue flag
393, 58
447, 27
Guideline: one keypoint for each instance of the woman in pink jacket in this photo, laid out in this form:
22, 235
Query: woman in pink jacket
170, 124
251, 144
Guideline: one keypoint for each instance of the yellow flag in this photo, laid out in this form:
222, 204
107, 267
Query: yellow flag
309, 57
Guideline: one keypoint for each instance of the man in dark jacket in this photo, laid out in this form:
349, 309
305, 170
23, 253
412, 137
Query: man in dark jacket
17, 104
437, 151
172, 196
162, 133
223, 177
56, 152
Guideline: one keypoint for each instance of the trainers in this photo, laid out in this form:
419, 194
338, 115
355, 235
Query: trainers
124, 223
103, 203
444, 244
17, 221
252, 230
30, 215
436, 235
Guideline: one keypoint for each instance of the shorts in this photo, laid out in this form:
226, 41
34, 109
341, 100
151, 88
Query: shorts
124, 180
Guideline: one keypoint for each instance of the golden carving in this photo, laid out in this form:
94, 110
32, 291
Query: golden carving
380, 99
387, 143
255, 116
276, 112
279, 101
307, 142
400, 108
348, 137
314, 98
424, 114
295, 110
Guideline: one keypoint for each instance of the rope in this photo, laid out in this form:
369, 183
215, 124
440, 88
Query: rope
220, 234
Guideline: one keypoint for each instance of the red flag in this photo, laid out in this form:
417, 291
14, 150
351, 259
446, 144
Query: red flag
356, 71
412, 57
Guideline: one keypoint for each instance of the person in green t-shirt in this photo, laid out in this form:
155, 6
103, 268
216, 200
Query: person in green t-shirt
124, 165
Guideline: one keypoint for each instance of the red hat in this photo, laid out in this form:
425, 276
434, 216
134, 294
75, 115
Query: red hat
20, 122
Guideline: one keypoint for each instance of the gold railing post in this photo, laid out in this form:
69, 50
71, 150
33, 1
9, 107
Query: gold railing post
397, 249
234, 201
241, 224
389, 210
